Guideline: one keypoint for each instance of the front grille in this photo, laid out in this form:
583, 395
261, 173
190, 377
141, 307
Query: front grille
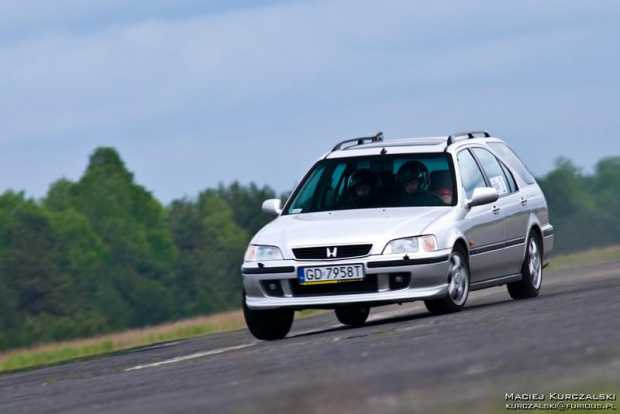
332, 252
367, 285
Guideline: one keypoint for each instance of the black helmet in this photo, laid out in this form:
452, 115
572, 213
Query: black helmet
363, 176
413, 170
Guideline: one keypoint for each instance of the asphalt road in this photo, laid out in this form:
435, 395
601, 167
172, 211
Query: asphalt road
403, 360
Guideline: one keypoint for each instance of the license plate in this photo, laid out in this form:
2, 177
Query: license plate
330, 274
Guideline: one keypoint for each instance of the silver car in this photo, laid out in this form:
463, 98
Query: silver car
378, 222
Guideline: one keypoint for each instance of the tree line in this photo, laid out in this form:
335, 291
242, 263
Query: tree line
102, 254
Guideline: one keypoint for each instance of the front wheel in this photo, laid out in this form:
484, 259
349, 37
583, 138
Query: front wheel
458, 286
531, 272
268, 324
352, 315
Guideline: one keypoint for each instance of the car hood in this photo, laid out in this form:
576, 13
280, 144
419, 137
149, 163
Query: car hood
373, 226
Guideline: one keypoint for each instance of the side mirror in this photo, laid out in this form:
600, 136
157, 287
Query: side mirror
483, 195
273, 206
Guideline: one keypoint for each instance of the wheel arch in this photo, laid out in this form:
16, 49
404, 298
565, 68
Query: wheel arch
454, 239
534, 229
460, 242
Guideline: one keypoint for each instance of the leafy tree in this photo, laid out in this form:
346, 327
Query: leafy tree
189, 236
37, 277
606, 187
581, 207
123, 213
211, 247
130, 225
30, 261
245, 203
225, 244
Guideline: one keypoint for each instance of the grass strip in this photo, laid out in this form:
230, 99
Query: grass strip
594, 256
55, 353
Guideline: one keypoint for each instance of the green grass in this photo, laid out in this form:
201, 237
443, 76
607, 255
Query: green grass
188, 332
52, 354
66, 353
606, 254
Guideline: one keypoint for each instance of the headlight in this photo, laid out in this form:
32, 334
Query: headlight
262, 253
411, 245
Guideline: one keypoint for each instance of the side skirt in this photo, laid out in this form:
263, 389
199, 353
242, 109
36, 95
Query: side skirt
495, 281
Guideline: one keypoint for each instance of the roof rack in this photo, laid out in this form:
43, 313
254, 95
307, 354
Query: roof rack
468, 134
361, 140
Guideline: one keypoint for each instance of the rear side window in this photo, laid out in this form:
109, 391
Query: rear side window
511, 180
470, 173
494, 171
512, 160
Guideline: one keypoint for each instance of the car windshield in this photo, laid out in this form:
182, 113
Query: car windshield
404, 180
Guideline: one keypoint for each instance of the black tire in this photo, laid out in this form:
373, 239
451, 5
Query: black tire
352, 315
268, 324
531, 271
457, 295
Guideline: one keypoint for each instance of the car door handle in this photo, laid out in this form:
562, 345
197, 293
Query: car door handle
523, 201
496, 210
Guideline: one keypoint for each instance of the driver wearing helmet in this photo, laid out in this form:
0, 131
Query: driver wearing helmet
363, 188
413, 180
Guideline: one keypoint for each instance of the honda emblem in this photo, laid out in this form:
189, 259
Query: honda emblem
332, 253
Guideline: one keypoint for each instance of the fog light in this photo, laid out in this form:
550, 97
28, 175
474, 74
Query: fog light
272, 287
399, 280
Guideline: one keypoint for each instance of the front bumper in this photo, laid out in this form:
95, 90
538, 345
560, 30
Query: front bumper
426, 277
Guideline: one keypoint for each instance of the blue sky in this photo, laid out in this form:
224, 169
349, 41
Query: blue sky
193, 93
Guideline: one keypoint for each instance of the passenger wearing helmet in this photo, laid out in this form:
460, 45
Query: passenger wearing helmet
413, 180
363, 188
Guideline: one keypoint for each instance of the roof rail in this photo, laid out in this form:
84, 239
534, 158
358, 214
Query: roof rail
376, 138
468, 134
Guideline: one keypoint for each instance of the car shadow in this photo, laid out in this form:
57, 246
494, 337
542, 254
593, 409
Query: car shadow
415, 315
